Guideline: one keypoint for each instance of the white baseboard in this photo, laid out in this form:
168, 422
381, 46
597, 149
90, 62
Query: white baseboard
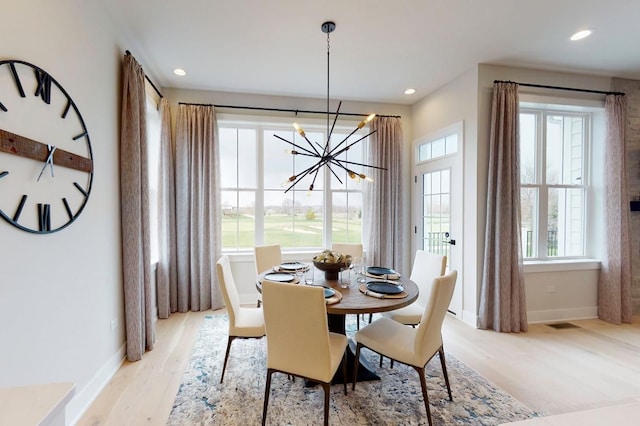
85, 396
567, 314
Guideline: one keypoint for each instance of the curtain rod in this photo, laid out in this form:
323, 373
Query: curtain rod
296, 111
571, 89
148, 79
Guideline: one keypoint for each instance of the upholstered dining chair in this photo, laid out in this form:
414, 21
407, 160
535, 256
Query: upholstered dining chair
243, 322
413, 346
266, 257
298, 339
355, 250
426, 267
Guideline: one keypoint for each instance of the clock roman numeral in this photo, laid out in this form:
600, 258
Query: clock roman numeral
3, 174
44, 86
2, 107
77, 185
44, 217
81, 135
66, 109
17, 79
66, 206
23, 200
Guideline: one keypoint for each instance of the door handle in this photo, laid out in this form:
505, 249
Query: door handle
449, 240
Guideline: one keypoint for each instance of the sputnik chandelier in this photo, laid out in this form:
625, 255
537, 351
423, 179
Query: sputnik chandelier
325, 155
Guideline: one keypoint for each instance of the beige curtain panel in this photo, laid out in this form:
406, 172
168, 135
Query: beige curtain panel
198, 213
167, 269
139, 295
502, 296
614, 288
383, 198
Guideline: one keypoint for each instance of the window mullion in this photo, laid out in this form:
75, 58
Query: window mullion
543, 192
259, 196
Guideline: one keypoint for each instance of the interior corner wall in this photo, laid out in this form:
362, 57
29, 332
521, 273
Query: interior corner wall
551, 296
61, 293
632, 139
242, 265
457, 101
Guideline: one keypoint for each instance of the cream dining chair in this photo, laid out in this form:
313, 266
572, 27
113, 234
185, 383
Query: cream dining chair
355, 250
413, 346
426, 267
243, 322
298, 339
266, 257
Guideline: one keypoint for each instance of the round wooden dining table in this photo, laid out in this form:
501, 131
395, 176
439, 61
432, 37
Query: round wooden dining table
355, 302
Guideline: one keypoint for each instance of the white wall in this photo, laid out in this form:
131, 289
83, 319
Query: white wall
452, 103
60, 292
467, 98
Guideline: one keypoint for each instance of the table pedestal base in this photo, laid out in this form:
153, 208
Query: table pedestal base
365, 372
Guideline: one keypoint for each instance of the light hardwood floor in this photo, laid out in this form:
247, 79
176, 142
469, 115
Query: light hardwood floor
549, 370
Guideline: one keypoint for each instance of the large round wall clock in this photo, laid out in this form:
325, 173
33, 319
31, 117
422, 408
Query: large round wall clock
46, 163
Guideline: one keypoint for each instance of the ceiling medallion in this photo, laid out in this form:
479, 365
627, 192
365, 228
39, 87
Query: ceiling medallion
325, 155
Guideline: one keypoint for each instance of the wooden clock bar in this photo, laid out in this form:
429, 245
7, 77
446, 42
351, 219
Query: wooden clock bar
28, 148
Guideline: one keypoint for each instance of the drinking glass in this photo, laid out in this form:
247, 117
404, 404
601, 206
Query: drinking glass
345, 277
362, 271
308, 275
300, 272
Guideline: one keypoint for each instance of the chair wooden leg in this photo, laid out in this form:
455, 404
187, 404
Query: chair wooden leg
226, 356
370, 317
381, 357
444, 370
344, 371
358, 322
327, 391
423, 384
258, 303
355, 367
266, 396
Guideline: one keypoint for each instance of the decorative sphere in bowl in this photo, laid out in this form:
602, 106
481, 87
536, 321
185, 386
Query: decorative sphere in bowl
331, 263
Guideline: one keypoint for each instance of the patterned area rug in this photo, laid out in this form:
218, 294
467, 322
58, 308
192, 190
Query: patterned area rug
393, 400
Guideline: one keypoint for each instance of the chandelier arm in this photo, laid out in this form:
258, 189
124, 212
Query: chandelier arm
333, 153
305, 173
298, 146
362, 164
332, 160
311, 145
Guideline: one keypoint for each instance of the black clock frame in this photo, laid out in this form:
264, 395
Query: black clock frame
43, 90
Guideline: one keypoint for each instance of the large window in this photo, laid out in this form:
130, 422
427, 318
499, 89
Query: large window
554, 148
255, 208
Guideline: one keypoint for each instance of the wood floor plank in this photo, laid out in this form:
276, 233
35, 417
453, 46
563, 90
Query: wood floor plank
551, 371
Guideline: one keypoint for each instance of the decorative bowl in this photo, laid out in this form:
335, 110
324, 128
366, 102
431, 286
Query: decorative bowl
331, 270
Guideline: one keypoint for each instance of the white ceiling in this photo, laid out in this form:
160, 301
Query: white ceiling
379, 48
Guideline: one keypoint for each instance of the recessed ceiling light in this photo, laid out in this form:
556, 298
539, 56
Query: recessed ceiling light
410, 91
580, 35
179, 71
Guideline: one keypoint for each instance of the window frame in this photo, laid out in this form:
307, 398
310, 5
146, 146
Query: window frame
540, 252
274, 124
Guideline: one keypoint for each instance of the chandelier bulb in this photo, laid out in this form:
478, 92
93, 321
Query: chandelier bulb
368, 179
288, 181
366, 120
298, 129
291, 151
